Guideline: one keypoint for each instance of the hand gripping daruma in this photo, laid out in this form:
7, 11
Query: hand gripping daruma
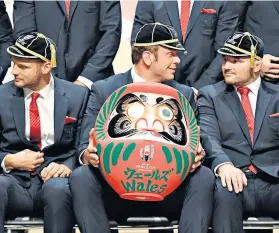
146, 137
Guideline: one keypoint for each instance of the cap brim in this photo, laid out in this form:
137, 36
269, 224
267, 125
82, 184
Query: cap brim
231, 52
174, 45
17, 52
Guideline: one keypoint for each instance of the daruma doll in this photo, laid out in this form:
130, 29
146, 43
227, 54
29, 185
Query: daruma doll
146, 137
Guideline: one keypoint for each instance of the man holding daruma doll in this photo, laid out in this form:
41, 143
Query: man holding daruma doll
145, 143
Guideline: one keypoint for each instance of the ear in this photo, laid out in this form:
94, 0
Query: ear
257, 66
147, 57
46, 68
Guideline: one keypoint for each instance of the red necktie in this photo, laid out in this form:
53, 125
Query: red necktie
35, 124
247, 108
184, 16
68, 4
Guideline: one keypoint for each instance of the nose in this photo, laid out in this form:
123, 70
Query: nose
226, 65
176, 60
14, 70
150, 124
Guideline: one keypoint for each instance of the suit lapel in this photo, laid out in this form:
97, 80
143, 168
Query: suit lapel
73, 7
276, 4
60, 109
62, 6
18, 110
234, 103
262, 103
195, 13
172, 10
127, 79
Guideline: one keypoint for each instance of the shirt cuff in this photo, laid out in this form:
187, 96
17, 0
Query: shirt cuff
4, 167
80, 156
216, 168
85, 81
195, 90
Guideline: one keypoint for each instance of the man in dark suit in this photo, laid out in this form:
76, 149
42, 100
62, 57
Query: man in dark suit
155, 58
202, 28
239, 130
261, 18
87, 34
41, 117
6, 37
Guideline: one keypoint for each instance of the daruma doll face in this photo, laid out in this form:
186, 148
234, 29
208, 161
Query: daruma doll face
146, 136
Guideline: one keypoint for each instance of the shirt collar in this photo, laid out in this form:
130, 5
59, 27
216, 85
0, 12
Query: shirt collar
136, 78
254, 86
43, 92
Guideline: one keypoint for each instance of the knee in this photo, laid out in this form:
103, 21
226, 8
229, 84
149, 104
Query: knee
56, 190
84, 178
5, 183
205, 178
224, 197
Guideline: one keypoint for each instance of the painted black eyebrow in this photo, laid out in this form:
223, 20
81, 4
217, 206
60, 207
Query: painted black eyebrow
159, 100
144, 97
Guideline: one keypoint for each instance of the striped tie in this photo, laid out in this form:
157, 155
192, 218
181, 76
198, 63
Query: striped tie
35, 124
247, 108
67, 5
184, 17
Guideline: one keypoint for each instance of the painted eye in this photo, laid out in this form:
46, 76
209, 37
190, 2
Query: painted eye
125, 125
173, 129
135, 110
166, 113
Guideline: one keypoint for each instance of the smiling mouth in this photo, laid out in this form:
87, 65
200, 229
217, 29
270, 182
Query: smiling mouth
173, 70
149, 135
149, 132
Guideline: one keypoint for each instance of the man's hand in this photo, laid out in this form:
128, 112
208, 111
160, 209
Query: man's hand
89, 156
55, 170
232, 178
270, 69
79, 83
198, 159
26, 160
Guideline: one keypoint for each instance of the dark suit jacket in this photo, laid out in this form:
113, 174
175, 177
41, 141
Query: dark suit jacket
261, 18
225, 134
69, 100
101, 90
87, 43
200, 65
6, 37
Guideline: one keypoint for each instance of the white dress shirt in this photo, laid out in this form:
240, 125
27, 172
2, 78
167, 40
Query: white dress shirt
253, 95
136, 78
45, 104
87, 82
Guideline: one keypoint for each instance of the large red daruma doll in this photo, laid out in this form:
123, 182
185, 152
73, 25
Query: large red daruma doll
146, 137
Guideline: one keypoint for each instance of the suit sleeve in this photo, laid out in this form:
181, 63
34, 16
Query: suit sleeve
193, 103
242, 10
98, 65
144, 14
94, 105
226, 25
2, 152
71, 161
6, 37
210, 132
24, 18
